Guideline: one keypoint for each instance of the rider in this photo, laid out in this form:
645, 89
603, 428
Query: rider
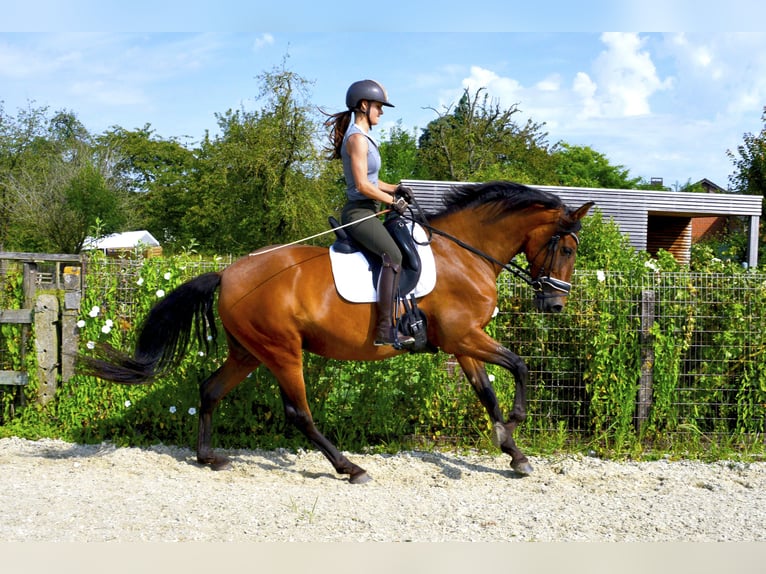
352, 142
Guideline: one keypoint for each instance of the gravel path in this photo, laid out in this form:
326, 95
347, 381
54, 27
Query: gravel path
54, 491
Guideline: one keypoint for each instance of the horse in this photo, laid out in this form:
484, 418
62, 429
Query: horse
277, 302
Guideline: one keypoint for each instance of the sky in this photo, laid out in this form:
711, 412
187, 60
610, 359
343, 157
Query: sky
661, 104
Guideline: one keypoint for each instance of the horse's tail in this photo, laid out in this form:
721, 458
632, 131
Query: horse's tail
164, 335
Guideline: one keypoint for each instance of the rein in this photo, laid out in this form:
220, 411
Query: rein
537, 283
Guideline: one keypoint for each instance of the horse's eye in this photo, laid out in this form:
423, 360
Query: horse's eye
568, 251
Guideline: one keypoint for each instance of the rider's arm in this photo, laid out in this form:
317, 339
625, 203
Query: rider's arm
357, 150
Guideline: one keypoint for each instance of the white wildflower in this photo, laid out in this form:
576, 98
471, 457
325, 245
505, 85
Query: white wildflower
128, 404
491, 377
192, 411
106, 329
91, 345
601, 276
80, 323
167, 276
140, 281
95, 311
650, 264
109, 323
160, 293
172, 410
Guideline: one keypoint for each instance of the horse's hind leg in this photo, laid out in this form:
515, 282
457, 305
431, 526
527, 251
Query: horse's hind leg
289, 373
237, 366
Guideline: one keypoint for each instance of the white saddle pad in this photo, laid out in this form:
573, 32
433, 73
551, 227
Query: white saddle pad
353, 276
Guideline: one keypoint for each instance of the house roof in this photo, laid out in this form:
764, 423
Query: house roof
124, 240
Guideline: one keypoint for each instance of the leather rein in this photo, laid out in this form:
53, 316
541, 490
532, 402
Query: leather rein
541, 284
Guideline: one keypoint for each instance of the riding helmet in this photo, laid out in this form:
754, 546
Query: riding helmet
366, 90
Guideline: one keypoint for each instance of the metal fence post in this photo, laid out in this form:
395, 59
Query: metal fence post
647, 357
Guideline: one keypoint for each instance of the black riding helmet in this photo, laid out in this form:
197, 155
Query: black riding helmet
366, 90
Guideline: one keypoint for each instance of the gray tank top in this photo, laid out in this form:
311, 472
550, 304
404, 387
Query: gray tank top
373, 163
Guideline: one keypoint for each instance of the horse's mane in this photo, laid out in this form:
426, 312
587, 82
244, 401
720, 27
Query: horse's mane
500, 198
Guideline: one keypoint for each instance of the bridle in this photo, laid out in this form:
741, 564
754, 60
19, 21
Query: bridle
543, 284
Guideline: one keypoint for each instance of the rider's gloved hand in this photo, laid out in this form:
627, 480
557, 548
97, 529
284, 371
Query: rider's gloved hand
399, 205
404, 192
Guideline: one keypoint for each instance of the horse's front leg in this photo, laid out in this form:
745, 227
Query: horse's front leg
502, 430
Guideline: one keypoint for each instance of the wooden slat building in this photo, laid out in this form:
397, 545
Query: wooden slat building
651, 219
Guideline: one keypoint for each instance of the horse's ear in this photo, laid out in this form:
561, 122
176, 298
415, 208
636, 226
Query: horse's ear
583, 210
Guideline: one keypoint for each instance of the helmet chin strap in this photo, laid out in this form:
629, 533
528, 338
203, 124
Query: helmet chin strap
366, 113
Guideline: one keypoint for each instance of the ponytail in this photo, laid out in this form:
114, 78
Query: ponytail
338, 124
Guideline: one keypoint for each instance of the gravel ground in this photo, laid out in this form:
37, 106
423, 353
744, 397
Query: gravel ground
52, 491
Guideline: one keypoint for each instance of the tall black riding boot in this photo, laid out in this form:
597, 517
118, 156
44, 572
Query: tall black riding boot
388, 285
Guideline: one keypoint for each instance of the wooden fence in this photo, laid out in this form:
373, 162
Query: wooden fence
49, 316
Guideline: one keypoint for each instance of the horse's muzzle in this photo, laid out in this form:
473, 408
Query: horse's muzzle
548, 303
551, 294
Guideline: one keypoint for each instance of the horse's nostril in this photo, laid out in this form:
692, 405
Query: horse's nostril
556, 308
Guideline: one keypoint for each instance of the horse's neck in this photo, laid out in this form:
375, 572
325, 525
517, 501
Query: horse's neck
501, 239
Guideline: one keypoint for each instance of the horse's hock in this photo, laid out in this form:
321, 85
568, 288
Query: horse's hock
48, 316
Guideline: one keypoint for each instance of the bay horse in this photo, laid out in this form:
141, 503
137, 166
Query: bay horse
277, 303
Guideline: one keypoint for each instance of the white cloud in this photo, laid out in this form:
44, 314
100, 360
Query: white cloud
585, 89
725, 70
497, 86
550, 84
626, 76
265, 39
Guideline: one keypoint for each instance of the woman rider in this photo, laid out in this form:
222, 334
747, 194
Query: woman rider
352, 143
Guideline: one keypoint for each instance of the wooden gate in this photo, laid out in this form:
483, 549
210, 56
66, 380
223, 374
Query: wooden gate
52, 288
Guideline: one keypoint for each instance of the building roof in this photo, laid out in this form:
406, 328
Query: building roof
124, 240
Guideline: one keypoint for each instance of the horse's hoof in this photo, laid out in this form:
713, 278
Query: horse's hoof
521, 467
224, 464
360, 478
216, 462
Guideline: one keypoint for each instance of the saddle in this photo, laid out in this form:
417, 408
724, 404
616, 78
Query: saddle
412, 321
397, 227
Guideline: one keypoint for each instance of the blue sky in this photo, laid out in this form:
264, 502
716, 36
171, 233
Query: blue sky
661, 104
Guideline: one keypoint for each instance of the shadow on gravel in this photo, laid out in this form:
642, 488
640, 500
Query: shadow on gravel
453, 468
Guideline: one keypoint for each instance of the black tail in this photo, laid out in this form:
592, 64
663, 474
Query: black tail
164, 335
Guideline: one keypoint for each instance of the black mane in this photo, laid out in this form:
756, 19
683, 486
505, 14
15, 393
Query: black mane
500, 197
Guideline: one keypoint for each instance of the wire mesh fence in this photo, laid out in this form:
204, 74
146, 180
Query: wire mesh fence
654, 354
659, 353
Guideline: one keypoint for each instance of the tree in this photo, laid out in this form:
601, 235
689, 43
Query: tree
581, 166
399, 154
19, 137
750, 163
157, 176
260, 181
55, 182
479, 140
